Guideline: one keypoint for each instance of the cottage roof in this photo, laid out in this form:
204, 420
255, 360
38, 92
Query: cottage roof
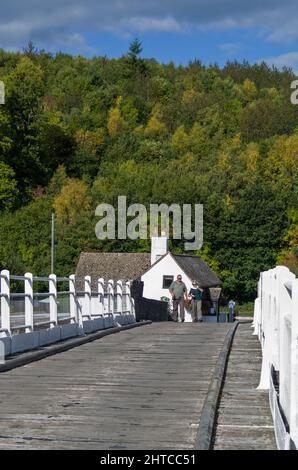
124, 266
195, 268
129, 266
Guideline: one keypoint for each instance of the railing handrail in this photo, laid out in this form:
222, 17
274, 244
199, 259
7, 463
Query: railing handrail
13, 277
112, 298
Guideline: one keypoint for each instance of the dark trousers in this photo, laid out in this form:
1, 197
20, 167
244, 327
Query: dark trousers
231, 314
178, 303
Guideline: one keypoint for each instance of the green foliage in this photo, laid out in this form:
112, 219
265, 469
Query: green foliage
135, 49
8, 187
75, 132
135, 65
25, 238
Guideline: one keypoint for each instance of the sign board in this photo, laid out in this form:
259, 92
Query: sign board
214, 293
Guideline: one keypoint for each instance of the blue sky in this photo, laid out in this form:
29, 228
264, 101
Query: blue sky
170, 30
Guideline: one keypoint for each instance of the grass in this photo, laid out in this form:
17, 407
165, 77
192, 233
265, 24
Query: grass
244, 310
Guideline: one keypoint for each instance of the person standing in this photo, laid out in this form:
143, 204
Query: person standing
195, 294
231, 306
178, 292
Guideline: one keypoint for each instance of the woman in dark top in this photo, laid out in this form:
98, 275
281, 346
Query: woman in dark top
195, 294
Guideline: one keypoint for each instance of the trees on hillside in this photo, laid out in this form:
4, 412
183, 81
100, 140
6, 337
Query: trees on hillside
76, 132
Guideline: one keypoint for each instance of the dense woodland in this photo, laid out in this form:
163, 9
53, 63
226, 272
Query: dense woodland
75, 132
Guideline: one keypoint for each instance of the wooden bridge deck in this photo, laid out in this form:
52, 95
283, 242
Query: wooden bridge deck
244, 419
142, 388
139, 389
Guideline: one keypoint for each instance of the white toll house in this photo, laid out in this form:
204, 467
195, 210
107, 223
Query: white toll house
157, 270
165, 266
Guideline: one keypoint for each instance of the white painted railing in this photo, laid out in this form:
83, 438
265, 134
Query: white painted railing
276, 324
31, 319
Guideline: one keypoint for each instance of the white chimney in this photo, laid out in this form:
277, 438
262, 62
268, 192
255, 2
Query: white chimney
159, 247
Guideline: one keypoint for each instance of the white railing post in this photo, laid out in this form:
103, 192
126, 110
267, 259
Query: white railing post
257, 314
28, 302
53, 300
283, 309
74, 309
278, 333
5, 300
256, 317
110, 291
119, 291
266, 339
294, 365
261, 307
129, 299
87, 303
100, 289
285, 303
274, 322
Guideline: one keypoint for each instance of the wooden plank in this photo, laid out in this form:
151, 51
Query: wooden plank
244, 419
141, 388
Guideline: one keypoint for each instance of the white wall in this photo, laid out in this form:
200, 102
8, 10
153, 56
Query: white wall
159, 247
153, 280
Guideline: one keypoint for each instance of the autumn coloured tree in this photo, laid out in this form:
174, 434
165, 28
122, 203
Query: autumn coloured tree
76, 132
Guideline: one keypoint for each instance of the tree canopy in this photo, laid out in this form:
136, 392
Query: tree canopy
76, 132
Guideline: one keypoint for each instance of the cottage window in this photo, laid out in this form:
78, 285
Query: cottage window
167, 281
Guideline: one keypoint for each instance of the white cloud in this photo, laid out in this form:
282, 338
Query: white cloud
229, 48
75, 41
47, 21
144, 24
289, 60
18, 30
